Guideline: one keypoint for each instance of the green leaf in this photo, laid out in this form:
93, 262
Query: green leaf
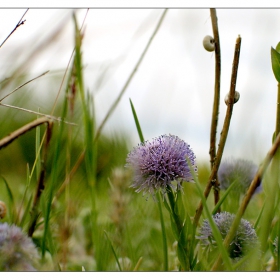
179, 206
174, 227
259, 218
182, 256
12, 208
137, 122
113, 250
275, 62
186, 233
26, 212
278, 47
215, 210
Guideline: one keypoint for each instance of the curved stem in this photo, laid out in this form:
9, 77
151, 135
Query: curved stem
15, 134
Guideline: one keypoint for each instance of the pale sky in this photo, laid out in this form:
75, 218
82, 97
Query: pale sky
172, 90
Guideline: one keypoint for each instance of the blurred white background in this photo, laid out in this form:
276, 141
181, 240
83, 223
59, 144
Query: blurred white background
173, 88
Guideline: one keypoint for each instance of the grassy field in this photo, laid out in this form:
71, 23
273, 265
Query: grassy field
67, 186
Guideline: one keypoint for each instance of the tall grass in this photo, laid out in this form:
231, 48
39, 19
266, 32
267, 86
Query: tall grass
66, 185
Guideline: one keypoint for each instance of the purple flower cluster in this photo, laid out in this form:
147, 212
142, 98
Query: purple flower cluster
240, 171
17, 251
160, 162
244, 240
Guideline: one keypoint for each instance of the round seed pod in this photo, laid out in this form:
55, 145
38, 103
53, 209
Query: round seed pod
209, 43
236, 97
3, 209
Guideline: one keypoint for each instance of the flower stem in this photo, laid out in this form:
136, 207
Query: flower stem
183, 254
176, 217
164, 240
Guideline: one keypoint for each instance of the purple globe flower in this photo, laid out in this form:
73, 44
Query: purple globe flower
161, 162
244, 240
17, 251
240, 171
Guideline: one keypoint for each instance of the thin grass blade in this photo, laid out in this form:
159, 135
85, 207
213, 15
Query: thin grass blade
113, 250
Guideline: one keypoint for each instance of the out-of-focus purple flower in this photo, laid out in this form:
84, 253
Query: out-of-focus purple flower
17, 251
244, 240
275, 245
160, 162
239, 170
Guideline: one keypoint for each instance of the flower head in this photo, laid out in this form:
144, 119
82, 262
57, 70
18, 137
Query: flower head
17, 251
240, 171
244, 240
160, 162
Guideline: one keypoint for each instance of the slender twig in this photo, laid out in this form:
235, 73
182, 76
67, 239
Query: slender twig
37, 113
215, 112
23, 85
255, 183
224, 132
21, 22
26, 110
138, 264
15, 134
115, 103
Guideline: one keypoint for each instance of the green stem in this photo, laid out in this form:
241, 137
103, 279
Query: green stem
176, 217
183, 254
164, 239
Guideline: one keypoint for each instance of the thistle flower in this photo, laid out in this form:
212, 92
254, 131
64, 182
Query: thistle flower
17, 251
244, 240
238, 170
161, 162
